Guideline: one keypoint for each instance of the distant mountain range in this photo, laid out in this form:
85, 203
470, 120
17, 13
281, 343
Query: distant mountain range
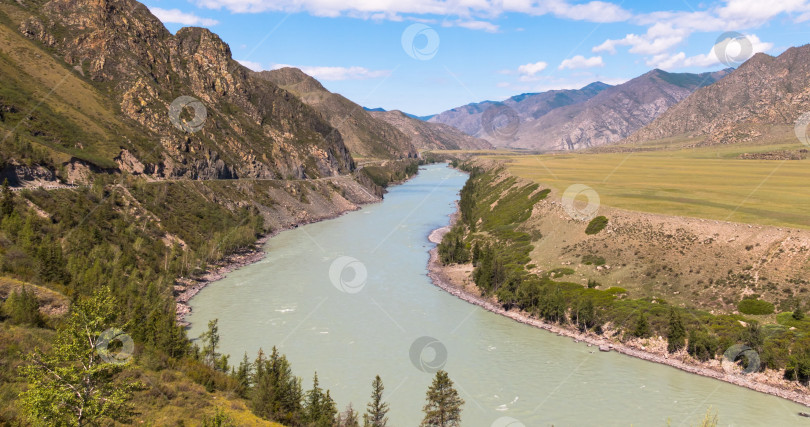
762, 93
414, 116
595, 115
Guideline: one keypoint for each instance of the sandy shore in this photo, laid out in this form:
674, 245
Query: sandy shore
653, 350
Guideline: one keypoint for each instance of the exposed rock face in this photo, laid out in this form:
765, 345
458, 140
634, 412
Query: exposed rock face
364, 135
252, 127
431, 136
763, 91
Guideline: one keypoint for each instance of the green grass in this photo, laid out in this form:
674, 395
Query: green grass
704, 183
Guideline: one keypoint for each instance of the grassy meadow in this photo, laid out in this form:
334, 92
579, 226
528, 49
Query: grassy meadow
706, 182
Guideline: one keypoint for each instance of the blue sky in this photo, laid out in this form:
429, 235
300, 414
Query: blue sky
426, 56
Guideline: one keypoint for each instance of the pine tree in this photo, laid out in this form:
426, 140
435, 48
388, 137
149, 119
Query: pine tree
376, 409
6, 200
242, 375
642, 327
22, 307
276, 393
210, 341
319, 408
676, 336
443, 408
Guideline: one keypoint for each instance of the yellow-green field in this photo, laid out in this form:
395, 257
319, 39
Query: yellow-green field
706, 182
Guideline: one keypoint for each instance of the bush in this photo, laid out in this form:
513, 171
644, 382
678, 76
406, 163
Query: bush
702, 345
755, 306
596, 225
593, 259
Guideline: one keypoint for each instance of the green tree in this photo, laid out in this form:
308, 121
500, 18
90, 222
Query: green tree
73, 383
319, 408
443, 407
676, 336
642, 329
276, 393
210, 341
376, 409
584, 313
702, 345
22, 307
6, 200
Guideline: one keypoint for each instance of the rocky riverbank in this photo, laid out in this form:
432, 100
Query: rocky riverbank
455, 281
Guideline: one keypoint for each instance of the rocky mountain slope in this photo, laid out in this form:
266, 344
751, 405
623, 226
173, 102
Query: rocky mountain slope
763, 92
528, 106
595, 115
431, 136
99, 78
364, 135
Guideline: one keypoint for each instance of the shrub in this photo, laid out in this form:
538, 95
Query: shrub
596, 225
593, 259
702, 345
755, 306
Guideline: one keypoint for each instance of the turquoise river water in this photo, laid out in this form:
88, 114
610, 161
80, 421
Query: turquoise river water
349, 297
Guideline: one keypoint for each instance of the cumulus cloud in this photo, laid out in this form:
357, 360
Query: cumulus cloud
338, 73
176, 16
533, 68
580, 61
680, 60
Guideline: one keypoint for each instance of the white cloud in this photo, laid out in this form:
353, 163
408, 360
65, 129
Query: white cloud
532, 69
659, 38
477, 25
580, 61
255, 66
737, 52
594, 11
338, 73
176, 16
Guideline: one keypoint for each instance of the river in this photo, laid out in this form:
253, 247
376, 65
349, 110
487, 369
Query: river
380, 314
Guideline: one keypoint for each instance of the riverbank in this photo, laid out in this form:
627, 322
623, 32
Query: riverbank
455, 281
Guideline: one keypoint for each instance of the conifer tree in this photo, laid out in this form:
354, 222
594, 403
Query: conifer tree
443, 407
376, 409
676, 336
